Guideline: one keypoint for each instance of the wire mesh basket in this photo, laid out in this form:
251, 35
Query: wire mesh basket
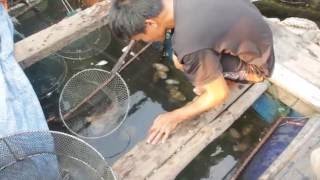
50, 155
101, 114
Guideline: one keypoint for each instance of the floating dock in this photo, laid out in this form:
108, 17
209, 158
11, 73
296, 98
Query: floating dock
297, 71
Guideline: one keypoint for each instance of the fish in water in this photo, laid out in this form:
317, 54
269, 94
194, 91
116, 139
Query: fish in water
247, 130
102, 63
160, 67
175, 94
234, 133
103, 120
172, 82
159, 75
240, 147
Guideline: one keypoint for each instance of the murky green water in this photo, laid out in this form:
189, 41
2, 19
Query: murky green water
218, 159
148, 99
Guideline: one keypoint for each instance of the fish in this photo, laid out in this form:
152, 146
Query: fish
172, 82
102, 63
247, 130
105, 118
240, 147
234, 133
160, 67
176, 94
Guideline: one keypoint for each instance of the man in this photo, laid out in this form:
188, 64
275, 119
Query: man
213, 40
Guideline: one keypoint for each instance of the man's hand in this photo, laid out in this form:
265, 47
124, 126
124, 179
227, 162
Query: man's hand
211, 95
162, 127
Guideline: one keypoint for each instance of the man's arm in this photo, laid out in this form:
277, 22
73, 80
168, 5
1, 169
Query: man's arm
213, 94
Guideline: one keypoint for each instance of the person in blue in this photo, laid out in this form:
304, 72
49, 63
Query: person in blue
20, 109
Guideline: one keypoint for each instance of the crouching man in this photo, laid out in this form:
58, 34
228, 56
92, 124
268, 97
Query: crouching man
213, 40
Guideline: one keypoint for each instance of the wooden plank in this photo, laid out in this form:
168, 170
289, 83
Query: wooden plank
22, 8
291, 101
297, 65
57, 36
296, 85
207, 134
294, 161
143, 159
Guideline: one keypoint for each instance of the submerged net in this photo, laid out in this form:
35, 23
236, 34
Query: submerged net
92, 44
103, 113
47, 75
49, 155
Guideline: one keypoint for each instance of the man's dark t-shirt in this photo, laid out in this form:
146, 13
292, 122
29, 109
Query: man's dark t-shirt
206, 30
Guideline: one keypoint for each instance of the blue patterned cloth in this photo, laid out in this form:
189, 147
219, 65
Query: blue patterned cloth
20, 109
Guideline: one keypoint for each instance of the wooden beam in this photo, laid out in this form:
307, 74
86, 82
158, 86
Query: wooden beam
143, 159
292, 101
297, 65
207, 134
57, 36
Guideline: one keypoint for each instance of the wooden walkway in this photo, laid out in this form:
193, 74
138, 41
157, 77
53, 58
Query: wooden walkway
297, 70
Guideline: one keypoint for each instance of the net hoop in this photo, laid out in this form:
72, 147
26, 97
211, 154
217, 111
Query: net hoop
116, 127
51, 150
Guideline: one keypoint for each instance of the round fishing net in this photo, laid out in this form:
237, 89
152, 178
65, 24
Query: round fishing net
47, 75
92, 44
50, 155
103, 112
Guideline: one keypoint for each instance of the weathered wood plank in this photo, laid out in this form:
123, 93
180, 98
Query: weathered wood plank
292, 101
297, 65
57, 36
144, 158
294, 161
208, 133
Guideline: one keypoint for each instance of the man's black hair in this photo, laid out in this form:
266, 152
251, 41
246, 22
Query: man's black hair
127, 17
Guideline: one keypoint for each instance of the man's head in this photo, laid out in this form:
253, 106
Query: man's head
137, 19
